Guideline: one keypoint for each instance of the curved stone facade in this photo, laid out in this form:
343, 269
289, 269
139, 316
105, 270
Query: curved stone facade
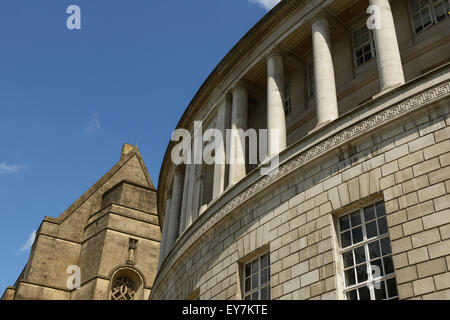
363, 122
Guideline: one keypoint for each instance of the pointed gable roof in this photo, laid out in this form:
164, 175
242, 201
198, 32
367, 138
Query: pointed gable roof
128, 152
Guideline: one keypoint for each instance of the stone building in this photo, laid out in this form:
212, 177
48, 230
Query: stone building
111, 234
360, 205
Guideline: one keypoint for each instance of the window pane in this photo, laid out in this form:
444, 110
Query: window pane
440, 11
344, 223
265, 293
254, 281
382, 225
247, 285
357, 235
380, 293
364, 293
392, 287
417, 21
345, 239
360, 61
426, 17
361, 272
385, 246
255, 296
369, 213
350, 277
388, 265
264, 260
247, 270
377, 268
352, 295
348, 259
360, 255
359, 53
371, 229
355, 219
381, 210
255, 266
264, 276
374, 250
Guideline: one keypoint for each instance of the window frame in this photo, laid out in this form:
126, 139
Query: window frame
431, 9
260, 286
364, 243
371, 42
310, 83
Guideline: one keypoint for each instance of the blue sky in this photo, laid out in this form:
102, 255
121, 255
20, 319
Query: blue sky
69, 99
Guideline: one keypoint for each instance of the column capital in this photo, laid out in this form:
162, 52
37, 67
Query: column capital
275, 52
240, 84
318, 19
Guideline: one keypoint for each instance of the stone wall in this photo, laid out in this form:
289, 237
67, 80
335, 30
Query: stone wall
94, 234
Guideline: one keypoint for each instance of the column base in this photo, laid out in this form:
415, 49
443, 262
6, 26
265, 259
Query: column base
386, 90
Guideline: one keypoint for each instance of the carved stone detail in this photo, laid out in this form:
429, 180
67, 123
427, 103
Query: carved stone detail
123, 289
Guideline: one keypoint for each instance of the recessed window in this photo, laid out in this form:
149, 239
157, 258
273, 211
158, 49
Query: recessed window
311, 83
427, 12
366, 254
287, 99
257, 279
364, 45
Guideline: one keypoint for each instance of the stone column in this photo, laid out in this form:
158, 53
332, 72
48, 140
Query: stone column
175, 209
239, 115
390, 68
185, 200
222, 122
187, 197
276, 121
326, 99
162, 248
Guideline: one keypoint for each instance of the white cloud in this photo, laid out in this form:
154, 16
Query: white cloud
10, 169
266, 4
27, 245
94, 125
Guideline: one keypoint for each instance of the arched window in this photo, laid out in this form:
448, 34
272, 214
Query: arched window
126, 284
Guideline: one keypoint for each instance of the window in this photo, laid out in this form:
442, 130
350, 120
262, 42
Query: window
287, 99
366, 254
364, 45
311, 83
426, 12
257, 279
441, 9
126, 284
